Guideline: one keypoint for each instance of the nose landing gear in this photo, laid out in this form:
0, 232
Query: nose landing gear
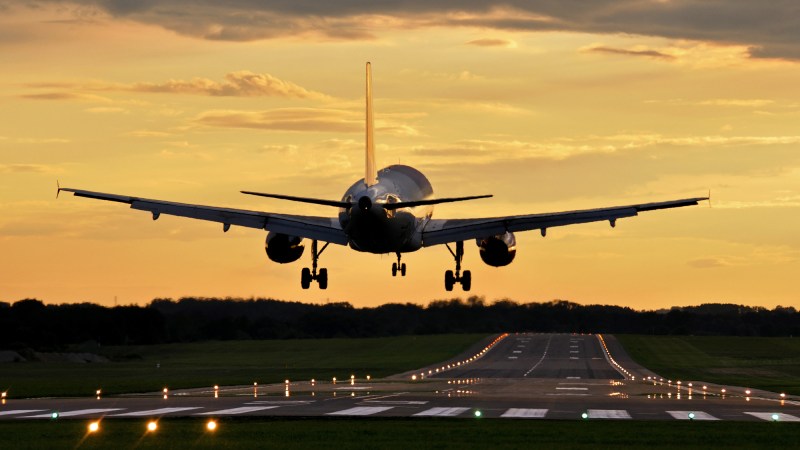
308, 275
450, 278
401, 267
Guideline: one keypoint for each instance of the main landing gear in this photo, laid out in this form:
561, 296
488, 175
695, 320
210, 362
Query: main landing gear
308, 275
451, 279
398, 267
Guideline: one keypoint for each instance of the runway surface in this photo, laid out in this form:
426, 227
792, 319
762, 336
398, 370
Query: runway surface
525, 376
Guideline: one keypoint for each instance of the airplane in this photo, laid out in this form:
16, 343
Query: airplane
388, 211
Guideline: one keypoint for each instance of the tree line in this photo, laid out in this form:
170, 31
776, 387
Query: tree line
30, 323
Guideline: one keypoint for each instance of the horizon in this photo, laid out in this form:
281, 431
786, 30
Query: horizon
546, 108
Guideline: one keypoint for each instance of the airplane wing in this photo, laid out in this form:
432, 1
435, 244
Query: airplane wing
324, 229
442, 231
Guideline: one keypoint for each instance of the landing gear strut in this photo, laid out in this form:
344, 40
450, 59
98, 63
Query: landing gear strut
398, 266
308, 275
451, 279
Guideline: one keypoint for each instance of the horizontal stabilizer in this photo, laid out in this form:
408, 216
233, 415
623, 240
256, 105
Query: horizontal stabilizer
434, 201
315, 201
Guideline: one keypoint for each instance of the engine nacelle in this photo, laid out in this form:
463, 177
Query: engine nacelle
283, 248
498, 250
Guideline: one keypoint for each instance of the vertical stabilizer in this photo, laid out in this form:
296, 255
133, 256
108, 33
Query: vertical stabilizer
370, 176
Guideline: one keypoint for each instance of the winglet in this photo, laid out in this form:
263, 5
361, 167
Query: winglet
58, 188
709, 197
370, 175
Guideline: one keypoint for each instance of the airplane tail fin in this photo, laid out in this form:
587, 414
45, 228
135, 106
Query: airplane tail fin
371, 173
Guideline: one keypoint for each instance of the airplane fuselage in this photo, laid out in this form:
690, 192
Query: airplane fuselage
372, 228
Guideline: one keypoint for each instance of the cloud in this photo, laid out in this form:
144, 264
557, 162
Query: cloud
708, 263
621, 51
106, 110
487, 42
236, 84
26, 168
769, 29
36, 141
285, 119
66, 96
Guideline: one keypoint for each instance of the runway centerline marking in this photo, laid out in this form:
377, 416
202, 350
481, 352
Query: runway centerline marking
77, 412
768, 416
442, 412
156, 412
546, 347
360, 411
608, 414
525, 413
240, 410
698, 415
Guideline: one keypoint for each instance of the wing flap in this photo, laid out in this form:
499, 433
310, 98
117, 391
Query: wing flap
444, 231
320, 228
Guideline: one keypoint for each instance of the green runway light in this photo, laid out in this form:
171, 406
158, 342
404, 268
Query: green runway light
775, 417
54, 415
477, 413
691, 416
585, 415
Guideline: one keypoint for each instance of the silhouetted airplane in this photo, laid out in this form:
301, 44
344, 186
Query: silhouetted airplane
388, 211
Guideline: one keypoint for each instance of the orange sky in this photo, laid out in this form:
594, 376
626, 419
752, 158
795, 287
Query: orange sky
547, 109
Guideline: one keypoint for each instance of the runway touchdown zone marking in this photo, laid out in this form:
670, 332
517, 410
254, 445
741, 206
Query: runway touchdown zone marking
442, 412
608, 414
77, 412
361, 411
524, 413
698, 415
768, 416
156, 412
232, 411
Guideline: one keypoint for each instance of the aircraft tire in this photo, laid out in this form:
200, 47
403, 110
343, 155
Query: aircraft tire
322, 279
305, 278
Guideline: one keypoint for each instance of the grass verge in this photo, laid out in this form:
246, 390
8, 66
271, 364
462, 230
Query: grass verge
149, 368
756, 362
400, 434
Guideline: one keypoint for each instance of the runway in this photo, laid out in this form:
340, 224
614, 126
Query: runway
522, 376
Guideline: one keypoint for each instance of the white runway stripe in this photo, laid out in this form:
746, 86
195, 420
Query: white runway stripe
525, 413
608, 414
231, 411
768, 416
361, 411
156, 412
77, 412
698, 415
19, 411
442, 412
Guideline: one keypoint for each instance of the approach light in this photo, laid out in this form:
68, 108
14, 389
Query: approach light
94, 427
152, 426
691, 416
584, 415
3, 394
783, 395
54, 415
211, 425
413, 378
747, 392
368, 377
775, 417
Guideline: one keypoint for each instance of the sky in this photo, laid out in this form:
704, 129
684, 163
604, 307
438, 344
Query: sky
548, 105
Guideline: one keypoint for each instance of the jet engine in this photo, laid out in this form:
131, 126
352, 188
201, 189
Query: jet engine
498, 250
283, 248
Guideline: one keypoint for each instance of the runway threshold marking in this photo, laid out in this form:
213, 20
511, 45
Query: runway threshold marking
698, 415
233, 411
360, 411
398, 402
768, 416
608, 414
524, 413
19, 411
571, 389
156, 412
442, 412
77, 412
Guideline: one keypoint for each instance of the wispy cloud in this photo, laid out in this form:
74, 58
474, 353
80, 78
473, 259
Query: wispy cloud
285, 119
627, 52
489, 42
26, 168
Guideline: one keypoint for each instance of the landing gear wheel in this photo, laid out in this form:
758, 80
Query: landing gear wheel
466, 280
322, 279
449, 280
403, 269
305, 278
394, 269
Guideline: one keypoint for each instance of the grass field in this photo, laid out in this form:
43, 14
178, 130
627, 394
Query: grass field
401, 434
150, 368
756, 362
